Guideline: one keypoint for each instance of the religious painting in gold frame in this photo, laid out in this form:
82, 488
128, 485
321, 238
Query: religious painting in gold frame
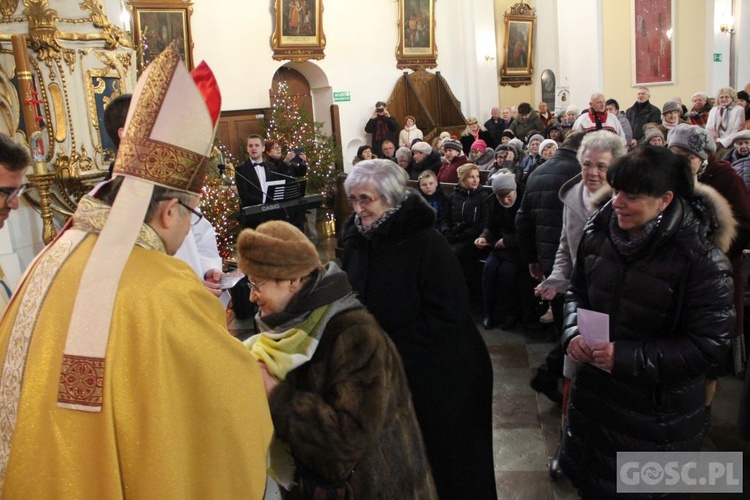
156, 25
416, 35
298, 35
518, 46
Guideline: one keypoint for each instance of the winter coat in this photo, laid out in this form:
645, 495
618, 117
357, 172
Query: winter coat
382, 128
496, 129
539, 220
467, 139
440, 202
670, 317
410, 280
449, 171
486, 161
575, 214
742, 167
736, 123
433, 161
720, 176
626, 127
522, 128
349, 408
501, 224
641, 114
407, 136
699, 117
467, 214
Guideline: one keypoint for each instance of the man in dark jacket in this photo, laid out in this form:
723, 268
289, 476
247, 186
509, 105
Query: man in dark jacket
382, 126
496, 125
641, 113
539, 225
528, 120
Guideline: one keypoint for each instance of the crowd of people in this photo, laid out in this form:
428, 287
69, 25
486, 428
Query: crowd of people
667, 190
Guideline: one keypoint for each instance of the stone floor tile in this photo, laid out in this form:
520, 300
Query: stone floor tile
524, 486
519, 450
508, 356
515, 411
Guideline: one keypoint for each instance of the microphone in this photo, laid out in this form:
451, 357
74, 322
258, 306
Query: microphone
284, 175
265, 194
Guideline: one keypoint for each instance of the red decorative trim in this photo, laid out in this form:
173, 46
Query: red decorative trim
81, 381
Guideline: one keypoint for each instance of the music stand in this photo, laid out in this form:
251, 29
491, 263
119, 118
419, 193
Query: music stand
288, 191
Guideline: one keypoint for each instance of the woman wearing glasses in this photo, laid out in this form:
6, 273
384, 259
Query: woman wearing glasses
407, 275
345, 425
293, 164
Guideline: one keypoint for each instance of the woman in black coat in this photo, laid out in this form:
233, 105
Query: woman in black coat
408, 277
653, 260
500, 285
465, 219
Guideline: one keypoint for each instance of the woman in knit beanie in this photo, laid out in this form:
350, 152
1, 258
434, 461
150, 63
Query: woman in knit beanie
332, 376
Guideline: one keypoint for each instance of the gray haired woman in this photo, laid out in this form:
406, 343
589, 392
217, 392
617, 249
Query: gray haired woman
408, 277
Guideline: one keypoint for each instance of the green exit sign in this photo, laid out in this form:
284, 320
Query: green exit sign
341, 96
717, 56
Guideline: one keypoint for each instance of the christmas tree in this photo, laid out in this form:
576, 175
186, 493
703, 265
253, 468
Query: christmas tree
219, 202
293, 127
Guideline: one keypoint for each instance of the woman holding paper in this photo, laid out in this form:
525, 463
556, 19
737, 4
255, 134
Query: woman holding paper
652, 260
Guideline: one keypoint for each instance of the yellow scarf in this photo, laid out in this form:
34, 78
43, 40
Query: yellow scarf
284, 351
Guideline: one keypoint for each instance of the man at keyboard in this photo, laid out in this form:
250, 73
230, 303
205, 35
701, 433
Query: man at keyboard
253, 176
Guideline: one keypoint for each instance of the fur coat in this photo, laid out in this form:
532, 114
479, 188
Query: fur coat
347, 414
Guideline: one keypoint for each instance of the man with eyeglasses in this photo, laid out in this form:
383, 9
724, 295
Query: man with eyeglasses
117, 366
13, 161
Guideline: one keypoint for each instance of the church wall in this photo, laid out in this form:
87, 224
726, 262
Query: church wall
691, 51
360, 55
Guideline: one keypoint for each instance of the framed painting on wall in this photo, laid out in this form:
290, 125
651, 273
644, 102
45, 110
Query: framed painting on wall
156, 25
652, 42
416, 35
518, 46
298, 35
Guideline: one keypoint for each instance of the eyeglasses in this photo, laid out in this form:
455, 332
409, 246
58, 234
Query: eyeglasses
255, 287
195, 216
363, 200
276, 148
11, 193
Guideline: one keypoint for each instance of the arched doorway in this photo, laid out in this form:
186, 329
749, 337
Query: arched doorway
298, 87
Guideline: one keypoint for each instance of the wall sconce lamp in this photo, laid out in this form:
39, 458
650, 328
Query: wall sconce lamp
727, 26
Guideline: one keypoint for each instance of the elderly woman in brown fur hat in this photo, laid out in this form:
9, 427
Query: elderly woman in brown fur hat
341, 406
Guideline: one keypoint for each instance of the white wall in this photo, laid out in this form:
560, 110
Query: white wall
580, 49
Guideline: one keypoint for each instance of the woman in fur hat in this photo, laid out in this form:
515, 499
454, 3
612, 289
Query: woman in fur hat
339, 398
652, 259
407, 276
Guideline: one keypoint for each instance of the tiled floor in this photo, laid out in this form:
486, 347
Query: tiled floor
527, 424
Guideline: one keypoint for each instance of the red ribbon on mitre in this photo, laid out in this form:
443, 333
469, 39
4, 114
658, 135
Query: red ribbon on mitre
206, 82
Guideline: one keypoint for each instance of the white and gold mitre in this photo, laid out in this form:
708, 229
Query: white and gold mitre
157, 146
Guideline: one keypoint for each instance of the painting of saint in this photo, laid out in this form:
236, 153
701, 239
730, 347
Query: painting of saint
299, 18
517, 56
417, 24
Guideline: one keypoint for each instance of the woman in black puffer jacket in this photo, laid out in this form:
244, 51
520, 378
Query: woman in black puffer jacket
652, 259
465, 220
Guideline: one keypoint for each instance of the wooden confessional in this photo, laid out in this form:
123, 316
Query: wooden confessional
428, 98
